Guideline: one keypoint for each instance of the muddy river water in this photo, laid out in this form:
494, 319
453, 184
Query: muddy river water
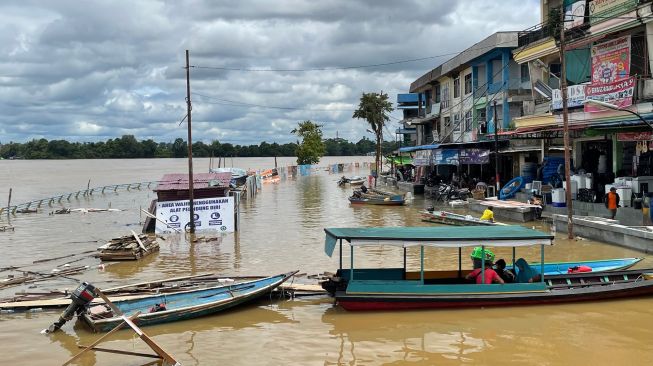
282, 230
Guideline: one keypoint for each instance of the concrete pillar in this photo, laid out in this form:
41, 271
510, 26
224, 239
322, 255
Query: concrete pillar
488, 81
505, 80
649, 44
617, 153
475, 96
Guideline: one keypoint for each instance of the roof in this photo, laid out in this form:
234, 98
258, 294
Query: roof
451, 237
416, 148
494, 41
179, 181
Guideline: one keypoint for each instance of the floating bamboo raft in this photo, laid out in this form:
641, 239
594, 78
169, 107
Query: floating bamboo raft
128, 248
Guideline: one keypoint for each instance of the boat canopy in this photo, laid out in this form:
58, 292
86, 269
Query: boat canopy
448, 237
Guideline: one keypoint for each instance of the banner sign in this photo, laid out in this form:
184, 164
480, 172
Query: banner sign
445, 157
619, 93
210, 214
474, 156
634, 136
611, 61
574, 14
575, 97
601, 10
422, 157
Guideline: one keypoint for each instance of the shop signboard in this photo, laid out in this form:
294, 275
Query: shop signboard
611, 61
445, 157
422, 158
575, 97
575, 14
210, 214
619, 93
634, 136
605, 9
474, 156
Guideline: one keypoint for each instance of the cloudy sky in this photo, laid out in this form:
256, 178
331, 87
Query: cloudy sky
92, 70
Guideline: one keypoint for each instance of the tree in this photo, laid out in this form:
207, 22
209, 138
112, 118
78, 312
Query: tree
374, 108
311, 149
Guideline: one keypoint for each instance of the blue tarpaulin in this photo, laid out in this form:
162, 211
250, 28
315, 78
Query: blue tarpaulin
420, 147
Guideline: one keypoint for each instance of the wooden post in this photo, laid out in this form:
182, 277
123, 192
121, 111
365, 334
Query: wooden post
9, 203
190, 149
496, 150
565, 119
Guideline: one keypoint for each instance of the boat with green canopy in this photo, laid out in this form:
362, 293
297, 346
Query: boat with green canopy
398, 288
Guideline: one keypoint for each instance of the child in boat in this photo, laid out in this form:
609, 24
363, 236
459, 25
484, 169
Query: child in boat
526, 273
488, 214
489, 274
506, 275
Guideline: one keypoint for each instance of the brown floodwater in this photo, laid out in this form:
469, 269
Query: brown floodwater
282, 230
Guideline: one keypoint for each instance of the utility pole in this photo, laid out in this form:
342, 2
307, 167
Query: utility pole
565, 121
190, 149
496, 149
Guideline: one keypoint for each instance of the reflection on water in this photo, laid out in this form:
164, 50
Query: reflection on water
283, 231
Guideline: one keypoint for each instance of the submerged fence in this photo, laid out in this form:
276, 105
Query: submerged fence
35, 204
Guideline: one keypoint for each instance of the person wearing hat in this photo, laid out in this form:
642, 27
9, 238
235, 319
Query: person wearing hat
489, 275
611, 201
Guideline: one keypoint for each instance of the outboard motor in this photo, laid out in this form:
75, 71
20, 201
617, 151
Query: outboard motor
81, 297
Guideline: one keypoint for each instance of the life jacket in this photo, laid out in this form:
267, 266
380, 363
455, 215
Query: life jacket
579, 269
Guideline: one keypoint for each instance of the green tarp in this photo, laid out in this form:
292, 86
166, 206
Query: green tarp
506, 236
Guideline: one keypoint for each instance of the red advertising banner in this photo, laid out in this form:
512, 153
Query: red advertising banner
611, 61
634, 136
619, 93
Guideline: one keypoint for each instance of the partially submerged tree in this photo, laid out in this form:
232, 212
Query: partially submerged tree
375, 109
311, 148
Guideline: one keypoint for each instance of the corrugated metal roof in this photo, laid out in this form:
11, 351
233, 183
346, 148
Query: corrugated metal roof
179, 181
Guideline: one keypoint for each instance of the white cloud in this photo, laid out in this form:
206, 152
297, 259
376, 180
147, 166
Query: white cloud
95, 69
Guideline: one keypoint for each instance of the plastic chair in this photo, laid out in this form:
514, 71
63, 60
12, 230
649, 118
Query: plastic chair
537, 186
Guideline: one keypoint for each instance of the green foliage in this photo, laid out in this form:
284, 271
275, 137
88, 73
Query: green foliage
375, 109
312, 148
127, 147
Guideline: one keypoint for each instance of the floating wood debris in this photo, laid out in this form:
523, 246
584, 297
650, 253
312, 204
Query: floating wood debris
4, 228
128, 248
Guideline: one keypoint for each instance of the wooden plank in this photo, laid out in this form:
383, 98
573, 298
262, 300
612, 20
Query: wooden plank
120, 352
150, 342
138, 240
97, 341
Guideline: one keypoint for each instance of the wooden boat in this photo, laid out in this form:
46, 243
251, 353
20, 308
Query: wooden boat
600, 265
375, 200
398, 288
353, 181
182, 305
450, 218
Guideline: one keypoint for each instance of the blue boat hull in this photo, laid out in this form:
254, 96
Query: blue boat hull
602, 265
186, 305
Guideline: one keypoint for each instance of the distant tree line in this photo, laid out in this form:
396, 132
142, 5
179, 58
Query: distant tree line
127, 147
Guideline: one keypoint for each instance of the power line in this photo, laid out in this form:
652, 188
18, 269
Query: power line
234, 103
349, 67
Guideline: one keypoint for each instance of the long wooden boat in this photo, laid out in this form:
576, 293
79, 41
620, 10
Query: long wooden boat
376, 200
450, 218
182, 305
397, 288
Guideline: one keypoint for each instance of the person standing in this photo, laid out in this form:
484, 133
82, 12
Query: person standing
612, 202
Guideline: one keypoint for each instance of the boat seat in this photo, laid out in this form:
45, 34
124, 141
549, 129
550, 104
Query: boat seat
432, 275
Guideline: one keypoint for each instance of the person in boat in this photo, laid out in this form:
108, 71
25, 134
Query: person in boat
506, 275
363, 188
489, 274
526, 273
488, 214
477, 256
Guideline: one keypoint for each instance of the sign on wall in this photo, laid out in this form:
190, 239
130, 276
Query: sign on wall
611, 61
474, 156
574, 14
575, 97
601, 10
210, 214
445, 157
619, 93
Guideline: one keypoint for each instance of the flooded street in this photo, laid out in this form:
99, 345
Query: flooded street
282, 230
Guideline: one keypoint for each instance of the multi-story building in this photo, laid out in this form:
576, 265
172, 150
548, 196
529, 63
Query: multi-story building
608, 56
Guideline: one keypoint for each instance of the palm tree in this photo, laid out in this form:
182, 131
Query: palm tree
374, 108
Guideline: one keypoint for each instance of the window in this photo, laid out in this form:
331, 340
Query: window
436, 94
445, 96
525, 78
468, 121
456, 122
468, 84
456, 87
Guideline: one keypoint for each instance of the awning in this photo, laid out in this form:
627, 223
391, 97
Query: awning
420, 147
448, 237
530, 53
